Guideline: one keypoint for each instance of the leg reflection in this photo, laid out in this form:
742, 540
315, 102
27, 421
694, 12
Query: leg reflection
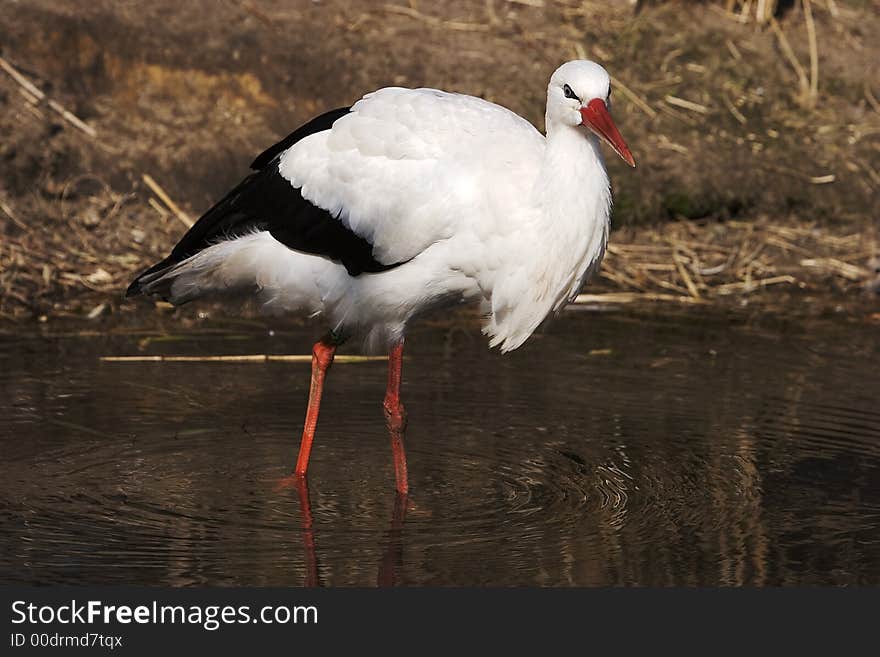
392, 558
311, 553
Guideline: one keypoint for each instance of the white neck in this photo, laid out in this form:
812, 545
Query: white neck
572, 187
572, 202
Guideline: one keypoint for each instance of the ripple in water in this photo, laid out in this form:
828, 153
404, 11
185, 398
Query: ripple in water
666, 458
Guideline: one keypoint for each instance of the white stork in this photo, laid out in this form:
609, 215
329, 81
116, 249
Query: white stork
410, 200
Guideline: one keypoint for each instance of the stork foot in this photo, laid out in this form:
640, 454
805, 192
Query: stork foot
290, 482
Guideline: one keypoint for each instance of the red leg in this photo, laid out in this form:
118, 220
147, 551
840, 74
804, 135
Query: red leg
322, 359
395, 416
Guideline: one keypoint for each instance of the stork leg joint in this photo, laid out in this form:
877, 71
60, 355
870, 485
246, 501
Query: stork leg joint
395, 414
322, 355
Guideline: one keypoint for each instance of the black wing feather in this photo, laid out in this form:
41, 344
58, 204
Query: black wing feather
265, 200
318, 124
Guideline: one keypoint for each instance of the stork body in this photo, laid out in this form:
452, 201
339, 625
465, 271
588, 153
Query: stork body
410, 200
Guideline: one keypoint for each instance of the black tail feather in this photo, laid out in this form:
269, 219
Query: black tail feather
241, 209
267, 201
136, 286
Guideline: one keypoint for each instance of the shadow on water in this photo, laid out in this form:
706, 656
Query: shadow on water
610, 450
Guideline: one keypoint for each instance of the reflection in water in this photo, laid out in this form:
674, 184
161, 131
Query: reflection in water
390, 566
609, 451
310, 551
392, 559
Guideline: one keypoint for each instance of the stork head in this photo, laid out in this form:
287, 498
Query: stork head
580, 95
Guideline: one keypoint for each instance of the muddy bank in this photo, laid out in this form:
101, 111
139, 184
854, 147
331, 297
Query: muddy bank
715, 109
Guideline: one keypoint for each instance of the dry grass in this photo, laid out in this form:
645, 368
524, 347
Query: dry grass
705, 262
53, 275
763, 115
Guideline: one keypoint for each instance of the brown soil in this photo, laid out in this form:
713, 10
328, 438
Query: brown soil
721, 123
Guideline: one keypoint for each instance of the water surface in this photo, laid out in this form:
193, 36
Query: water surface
610, 450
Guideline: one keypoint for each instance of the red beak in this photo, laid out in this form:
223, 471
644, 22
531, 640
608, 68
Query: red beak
596, 117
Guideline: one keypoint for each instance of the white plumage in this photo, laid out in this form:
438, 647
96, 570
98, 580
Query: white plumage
479, 204
411, 199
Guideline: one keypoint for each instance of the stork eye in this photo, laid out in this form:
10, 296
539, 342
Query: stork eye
569, 93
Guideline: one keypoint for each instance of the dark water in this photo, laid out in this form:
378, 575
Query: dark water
610, 450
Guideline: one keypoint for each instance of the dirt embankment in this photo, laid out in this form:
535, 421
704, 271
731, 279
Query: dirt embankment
728, 120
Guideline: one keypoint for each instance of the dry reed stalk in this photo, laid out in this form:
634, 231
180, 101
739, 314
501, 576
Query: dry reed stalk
37, 93
162, 212
35, 112
623, 248
433, 21
835, 266
752, 285
22, 80
634, 98
765, 10
694, 244
666, 144
620, 279
685, 276
71, 118
246, 358
740, 17
734, 51
869, 96
9, 213
803, 82
163, 196
581, 53
28, 96
695, 265
733, 110
736, 255
783, 244
653, 266
664, 284
633, 297
680, 116
814, 52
